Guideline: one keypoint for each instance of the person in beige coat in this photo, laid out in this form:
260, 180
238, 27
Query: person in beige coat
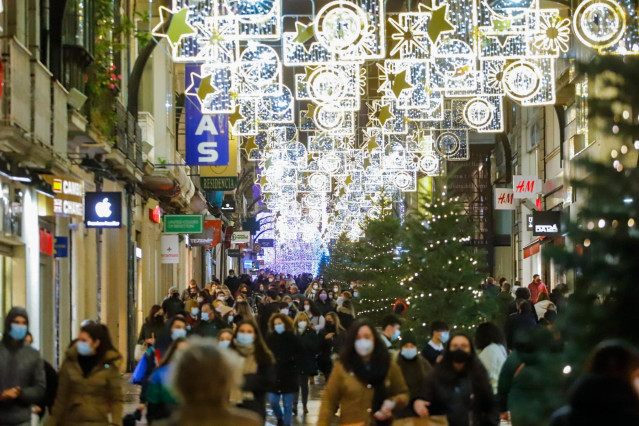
90, 388
366, 384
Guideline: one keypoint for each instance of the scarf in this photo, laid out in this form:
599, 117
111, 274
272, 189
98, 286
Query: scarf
375, 376
249, 366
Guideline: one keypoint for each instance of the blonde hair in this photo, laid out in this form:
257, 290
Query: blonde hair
301, 316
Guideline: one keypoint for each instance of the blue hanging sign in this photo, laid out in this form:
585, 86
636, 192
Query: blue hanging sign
207, 135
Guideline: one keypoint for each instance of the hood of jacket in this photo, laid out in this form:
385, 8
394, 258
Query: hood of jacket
13, 313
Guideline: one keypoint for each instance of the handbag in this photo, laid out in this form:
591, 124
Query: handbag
140, 371
422, 421
139, 352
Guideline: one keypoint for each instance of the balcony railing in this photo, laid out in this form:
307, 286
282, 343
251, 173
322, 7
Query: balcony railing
16, 99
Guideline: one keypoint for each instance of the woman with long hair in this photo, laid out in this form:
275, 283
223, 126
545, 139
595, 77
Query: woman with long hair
491, 343
309, 343
89, 387
458, 388
366, 383
152, 327
331, 343
286, 350
313, 315
257, 364
160, 400
243, 312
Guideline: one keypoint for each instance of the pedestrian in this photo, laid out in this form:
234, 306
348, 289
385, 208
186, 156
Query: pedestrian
314, 315
257, 367
51, 380
519, 322
243, 312
296, 296
346, 313
312, 290
209, 324
458, 388
435, 347
414, 368
607, 392
173, 305
232, 282
504, 300
22, 375
161, 402
89, 387
224, 338
558, 296
543, 305
152, 326
287, 351
536, 287
324, 303
242, 291
390, 329
191, 291
366, 383
204, 297
268, 307
331, 343
285, 309
491, 345
292, 308
522, 293
174, 329
309, 346
491, 290
192, 307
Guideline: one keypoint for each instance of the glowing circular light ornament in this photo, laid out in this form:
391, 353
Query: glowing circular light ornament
330, 163
259, 64
318, 182
403, 180
447, 144
327, 86
340, 26
599, 23
251, 11
522, 80
454, 59
328, 120
429, 163
478, 113
509, 8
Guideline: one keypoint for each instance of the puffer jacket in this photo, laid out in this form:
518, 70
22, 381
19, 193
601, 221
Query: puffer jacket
21, 366
87, 401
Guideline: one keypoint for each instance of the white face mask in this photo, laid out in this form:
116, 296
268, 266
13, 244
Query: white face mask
364, 347
270, 280
200, 299
307, 307
302, 325
409, 353
284, 311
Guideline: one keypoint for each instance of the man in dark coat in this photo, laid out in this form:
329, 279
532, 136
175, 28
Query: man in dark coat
173, 305
232, 282
265, 311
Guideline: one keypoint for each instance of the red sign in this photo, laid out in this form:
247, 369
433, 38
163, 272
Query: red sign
155, 215
526, 186
216, 225
504, 199
46, 242
227, 236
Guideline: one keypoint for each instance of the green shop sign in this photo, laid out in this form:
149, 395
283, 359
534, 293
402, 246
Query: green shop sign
183, 223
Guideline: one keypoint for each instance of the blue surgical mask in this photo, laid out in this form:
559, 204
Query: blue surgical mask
195, 311
284, 311
84, 348
396, 335
409, 353
18, 331
279, 328
230, 318
445, 336
224, 343
176, 333
245, 338
205, 316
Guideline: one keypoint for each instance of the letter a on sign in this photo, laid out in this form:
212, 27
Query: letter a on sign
207, 136
526, 187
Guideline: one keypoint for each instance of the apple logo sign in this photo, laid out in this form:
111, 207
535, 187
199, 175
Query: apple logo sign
103, 208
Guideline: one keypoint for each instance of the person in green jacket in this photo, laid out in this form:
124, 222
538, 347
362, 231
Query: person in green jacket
161, 402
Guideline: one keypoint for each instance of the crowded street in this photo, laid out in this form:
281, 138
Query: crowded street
319, 212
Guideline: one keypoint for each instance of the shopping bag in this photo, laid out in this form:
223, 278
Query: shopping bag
140, 371
422, 421
140, 350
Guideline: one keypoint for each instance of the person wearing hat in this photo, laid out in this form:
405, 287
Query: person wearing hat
414, 368
173, 305
22, 379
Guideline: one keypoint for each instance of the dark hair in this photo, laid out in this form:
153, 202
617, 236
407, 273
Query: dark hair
170, 352
488, 333
502, 280
283, 305
522, 293
438, 326
263, 355
271, 294
350, 358
524, 306
152, 318
535, 276
506, 287
99, 332
613, 358
561, 288
391, 320
339, 328
314, 310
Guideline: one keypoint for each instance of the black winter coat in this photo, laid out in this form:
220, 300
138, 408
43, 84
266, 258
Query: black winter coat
258, 383
326, 307
287, 351
172, 306
309, 342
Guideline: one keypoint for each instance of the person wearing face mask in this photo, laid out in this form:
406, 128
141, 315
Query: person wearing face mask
314, 315
193, 318
309, 343
435, 347
270, 306
296, 296
390, 330
152, 327
174, 329
312, 290
331, 343
287, 351
366, 384
414, 368
209, 324
458, 388
224, 338
19, 391
173, 305
262, 278
257, 367
287, 307
161, 400
232, 281
346, 313
324, 303
191, 291
89, 387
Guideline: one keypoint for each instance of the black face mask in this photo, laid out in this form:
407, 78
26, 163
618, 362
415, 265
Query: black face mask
459, 356
330, 328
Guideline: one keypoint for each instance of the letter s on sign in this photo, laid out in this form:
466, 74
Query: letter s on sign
208, 152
